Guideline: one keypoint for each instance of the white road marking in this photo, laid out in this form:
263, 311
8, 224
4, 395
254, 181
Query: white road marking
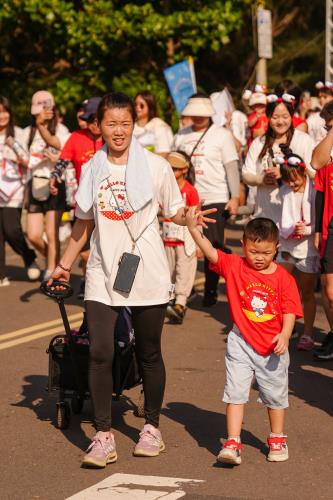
39, 326
35, 336
135, 487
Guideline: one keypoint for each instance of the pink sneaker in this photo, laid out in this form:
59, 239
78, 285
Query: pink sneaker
305, 343
101, 451
150, 443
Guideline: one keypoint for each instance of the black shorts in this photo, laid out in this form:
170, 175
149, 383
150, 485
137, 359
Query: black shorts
57, 203
327, 260
215, 232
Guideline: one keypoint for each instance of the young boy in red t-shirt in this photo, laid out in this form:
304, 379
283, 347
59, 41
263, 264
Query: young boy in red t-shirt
264, 303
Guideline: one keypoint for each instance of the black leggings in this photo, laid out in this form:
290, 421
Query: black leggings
11, 231
147, 323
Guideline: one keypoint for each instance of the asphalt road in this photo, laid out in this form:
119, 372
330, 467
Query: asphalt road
39, 461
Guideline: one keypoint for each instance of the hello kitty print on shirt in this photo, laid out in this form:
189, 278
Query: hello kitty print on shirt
113, 204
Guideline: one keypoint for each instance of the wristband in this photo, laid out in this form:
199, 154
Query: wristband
68, 270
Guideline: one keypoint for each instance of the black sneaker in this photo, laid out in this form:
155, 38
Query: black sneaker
325, 355
209, 300
176, 313
326, 342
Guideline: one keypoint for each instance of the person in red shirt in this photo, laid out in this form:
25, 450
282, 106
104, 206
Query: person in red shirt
78, 150
179, 245
264, 302
257, 119
322, 161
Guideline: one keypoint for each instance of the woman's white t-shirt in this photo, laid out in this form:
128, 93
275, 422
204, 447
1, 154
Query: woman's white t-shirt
316, 127
156, 136
11, 173
268, 203
110, 239
216, 149
39, 164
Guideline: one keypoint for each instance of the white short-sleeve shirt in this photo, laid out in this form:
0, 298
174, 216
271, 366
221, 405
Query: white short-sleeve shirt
156, 136
215, 149
18, 175
39, 164
268, 203
110, 238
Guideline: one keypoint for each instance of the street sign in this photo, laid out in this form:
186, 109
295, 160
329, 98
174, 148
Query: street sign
264, 26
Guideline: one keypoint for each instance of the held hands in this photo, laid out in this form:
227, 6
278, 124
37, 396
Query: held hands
195, 217
282, 343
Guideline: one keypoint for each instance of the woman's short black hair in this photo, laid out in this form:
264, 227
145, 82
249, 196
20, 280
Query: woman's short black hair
261, 229
115, 100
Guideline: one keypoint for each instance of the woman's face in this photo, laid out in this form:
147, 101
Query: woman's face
324, 98
4, 117
280, 120
200, 122
141, 108
117, 128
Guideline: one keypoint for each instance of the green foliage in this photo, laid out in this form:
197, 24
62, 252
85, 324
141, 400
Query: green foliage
80, 48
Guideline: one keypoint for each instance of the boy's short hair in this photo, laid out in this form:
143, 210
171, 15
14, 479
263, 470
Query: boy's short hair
261, 229
327, 112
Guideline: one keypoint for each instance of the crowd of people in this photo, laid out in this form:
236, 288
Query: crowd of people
149, 202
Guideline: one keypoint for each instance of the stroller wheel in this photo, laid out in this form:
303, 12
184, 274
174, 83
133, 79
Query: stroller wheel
63, 415
139, 411
77, 404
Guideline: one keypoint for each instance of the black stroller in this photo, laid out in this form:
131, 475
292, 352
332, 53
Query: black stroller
69, 355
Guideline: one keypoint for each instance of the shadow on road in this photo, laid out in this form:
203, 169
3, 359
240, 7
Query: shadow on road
205, 426
37, 399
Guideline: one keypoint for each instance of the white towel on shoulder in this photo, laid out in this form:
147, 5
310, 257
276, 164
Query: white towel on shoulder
289, 214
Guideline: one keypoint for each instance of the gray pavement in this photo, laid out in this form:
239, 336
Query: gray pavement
40, 461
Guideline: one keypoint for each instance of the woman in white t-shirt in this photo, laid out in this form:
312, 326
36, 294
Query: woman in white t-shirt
259, 168
121, 191
44, 140
152, 132
215, 159
13, 162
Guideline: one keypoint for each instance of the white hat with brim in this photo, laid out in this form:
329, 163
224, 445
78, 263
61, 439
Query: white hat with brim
199, 106
257, 98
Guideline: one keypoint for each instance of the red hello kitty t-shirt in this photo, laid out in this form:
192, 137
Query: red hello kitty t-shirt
258, 301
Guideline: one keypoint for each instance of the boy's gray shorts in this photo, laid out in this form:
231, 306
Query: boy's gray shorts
243, 362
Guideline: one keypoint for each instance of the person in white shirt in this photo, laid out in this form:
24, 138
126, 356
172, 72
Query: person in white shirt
212, 151
121, 191
44, 140
316, 124
259, 168
13, 163
152, 132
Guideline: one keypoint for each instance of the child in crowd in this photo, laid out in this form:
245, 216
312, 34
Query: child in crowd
257, 119
264, 303
179, 245
297, 236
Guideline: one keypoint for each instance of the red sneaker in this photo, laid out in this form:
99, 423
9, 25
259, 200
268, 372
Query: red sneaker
230, 453
278, 449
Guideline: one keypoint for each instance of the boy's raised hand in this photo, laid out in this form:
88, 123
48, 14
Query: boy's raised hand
282, 343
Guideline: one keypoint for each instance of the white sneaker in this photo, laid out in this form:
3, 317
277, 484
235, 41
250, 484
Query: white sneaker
4, 282
33, 271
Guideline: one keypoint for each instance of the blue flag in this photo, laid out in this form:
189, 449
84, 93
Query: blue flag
181, 83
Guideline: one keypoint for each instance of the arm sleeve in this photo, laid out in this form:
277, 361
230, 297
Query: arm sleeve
319, 211
59, 168
233, 178
249, 171
80, 214
169, 196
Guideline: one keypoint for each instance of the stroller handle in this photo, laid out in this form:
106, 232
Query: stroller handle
57, 293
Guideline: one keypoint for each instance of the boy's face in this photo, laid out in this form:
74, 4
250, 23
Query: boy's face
259, 254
